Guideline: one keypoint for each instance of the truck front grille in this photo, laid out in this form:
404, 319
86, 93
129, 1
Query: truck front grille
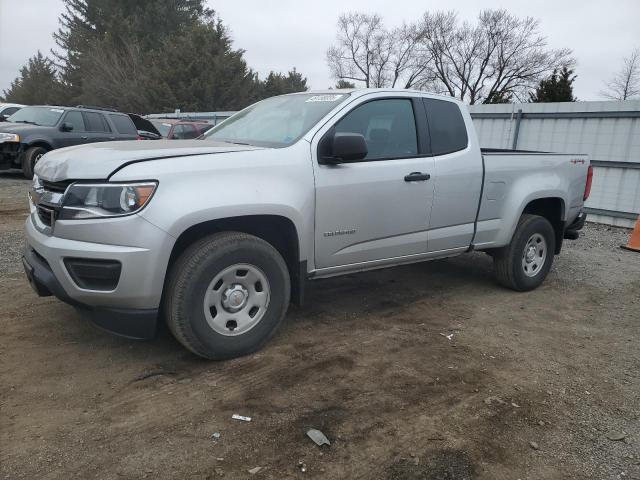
58, 187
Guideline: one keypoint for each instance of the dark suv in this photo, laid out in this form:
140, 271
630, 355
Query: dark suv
33, 131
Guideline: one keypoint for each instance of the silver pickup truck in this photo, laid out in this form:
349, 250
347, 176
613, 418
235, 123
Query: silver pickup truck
217, 235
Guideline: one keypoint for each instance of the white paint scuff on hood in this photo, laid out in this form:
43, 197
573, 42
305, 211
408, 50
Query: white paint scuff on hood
97, 161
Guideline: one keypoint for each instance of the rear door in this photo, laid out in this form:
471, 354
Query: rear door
456, 178
366, 211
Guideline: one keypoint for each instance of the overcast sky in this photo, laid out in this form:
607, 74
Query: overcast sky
279, 35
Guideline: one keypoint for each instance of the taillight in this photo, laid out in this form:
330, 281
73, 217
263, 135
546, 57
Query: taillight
587, 187
139, 138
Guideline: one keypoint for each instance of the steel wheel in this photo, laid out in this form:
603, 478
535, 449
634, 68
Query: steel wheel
534, 255
236, 299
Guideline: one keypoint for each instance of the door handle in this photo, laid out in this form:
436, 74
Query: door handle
417, 177
85, 138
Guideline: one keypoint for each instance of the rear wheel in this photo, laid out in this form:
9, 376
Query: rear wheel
525, 262
226, 295
31, 156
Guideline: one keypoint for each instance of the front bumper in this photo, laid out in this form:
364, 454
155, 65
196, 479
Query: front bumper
127, 322
10, 153
131, 308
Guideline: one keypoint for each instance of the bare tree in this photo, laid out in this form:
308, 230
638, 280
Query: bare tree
626, 83
500, 56
369, 53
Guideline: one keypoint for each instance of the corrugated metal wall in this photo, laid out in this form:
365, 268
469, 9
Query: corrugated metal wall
609, 132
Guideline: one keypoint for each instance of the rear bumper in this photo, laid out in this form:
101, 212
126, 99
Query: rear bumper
127, 322
572, 232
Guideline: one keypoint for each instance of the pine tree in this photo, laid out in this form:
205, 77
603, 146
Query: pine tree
342, 83
37, 84
557, 88
279, 84
156, 55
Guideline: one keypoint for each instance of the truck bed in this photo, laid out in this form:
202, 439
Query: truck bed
515, 178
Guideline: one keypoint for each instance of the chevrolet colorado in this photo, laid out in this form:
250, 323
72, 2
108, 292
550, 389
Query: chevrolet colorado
217, 236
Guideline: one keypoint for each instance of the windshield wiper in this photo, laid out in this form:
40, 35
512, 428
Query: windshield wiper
236, 143
25, 121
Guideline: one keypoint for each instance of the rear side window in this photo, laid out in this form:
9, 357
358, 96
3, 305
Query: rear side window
446, 126
388, 126
123, 124
96, 122
75, 118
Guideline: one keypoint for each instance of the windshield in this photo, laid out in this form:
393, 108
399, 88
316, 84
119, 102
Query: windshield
44, 116
276, 121
162, 127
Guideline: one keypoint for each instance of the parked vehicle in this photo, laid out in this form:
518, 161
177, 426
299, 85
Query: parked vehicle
146, 129
220, 234
33, 131
180, 129
8, 109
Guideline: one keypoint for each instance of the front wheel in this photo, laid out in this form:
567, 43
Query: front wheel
226, 295
31, 156
525, 262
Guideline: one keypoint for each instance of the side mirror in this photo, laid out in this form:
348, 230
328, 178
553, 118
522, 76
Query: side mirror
67, 127
3, 118
347, 147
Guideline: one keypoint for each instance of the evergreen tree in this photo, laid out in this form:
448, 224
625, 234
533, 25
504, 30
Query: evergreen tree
499, 97
38, 83
342, 83
557, 88
279, 84
157, 55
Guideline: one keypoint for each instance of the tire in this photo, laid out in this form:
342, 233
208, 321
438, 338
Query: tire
29, 160
525, 262
208, 317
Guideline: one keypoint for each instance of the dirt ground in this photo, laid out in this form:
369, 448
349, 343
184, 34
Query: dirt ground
539, 385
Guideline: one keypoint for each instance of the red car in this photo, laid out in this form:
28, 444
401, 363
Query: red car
180, 129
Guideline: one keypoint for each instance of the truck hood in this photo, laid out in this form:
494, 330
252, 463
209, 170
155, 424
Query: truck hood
21, 128
99, 160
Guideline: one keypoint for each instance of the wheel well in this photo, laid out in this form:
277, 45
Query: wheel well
279, 231
553, 210
39, 143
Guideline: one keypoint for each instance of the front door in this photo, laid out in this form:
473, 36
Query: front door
375, 209
78, 133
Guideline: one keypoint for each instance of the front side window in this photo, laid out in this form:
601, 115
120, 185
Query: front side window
43, 116
188, 131
388, 127
178, 132
446, 126
75, 118
276, 121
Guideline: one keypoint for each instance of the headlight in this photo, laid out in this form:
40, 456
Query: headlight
9, 137
84, 200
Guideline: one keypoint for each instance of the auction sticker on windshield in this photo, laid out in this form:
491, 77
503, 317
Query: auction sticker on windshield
324, 98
